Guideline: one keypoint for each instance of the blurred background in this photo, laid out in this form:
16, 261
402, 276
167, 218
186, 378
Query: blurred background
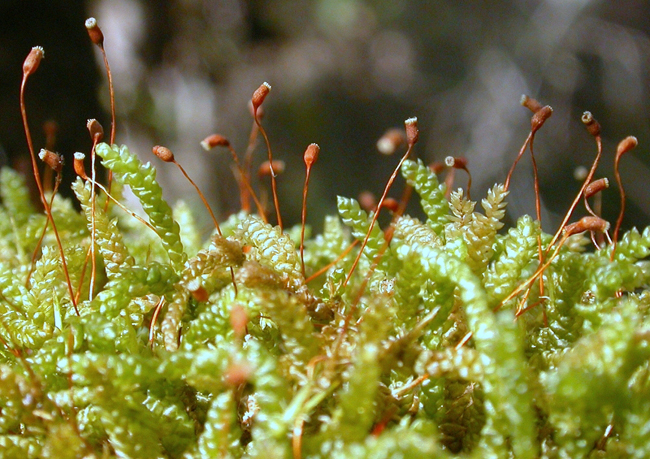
342, 72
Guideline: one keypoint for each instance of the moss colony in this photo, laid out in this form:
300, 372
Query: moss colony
448, 337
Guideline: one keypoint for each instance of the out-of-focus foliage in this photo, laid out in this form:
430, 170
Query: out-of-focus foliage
343, 71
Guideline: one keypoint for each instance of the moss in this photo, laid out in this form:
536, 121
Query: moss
451, 337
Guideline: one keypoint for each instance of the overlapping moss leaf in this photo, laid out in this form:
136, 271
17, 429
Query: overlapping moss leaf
175, 355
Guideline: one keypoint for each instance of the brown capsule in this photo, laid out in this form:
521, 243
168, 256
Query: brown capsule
238, 320
589, 223
531, 104
95, 129
259, 95
391, 204
33, 60
367, 201
412, 133
54, 160
626, 145
264, 169
79, 167
163, 153
539, 117
198, 291
200, 294
237, 374
457, 162
596, 186
214, 140
94, 32
311, 154
391, 141
437, 167
593, 126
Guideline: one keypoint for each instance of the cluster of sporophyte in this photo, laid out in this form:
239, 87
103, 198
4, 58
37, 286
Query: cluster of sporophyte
124, 336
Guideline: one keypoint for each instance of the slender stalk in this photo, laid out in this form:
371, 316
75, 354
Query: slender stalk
152, 326
166, 155
257, 100
506, 185
97, 37
111, 93
624, 146
245, 179
248, 162
214, 219
310, 157
594, 129
535, 275
302, 221
584, 224
205, 202
376, 214
93, 265
329, 265
40, 239
460, 163
216, 140
274, 189
37, 177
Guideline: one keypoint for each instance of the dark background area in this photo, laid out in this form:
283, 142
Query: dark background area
64, 90
343, 71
